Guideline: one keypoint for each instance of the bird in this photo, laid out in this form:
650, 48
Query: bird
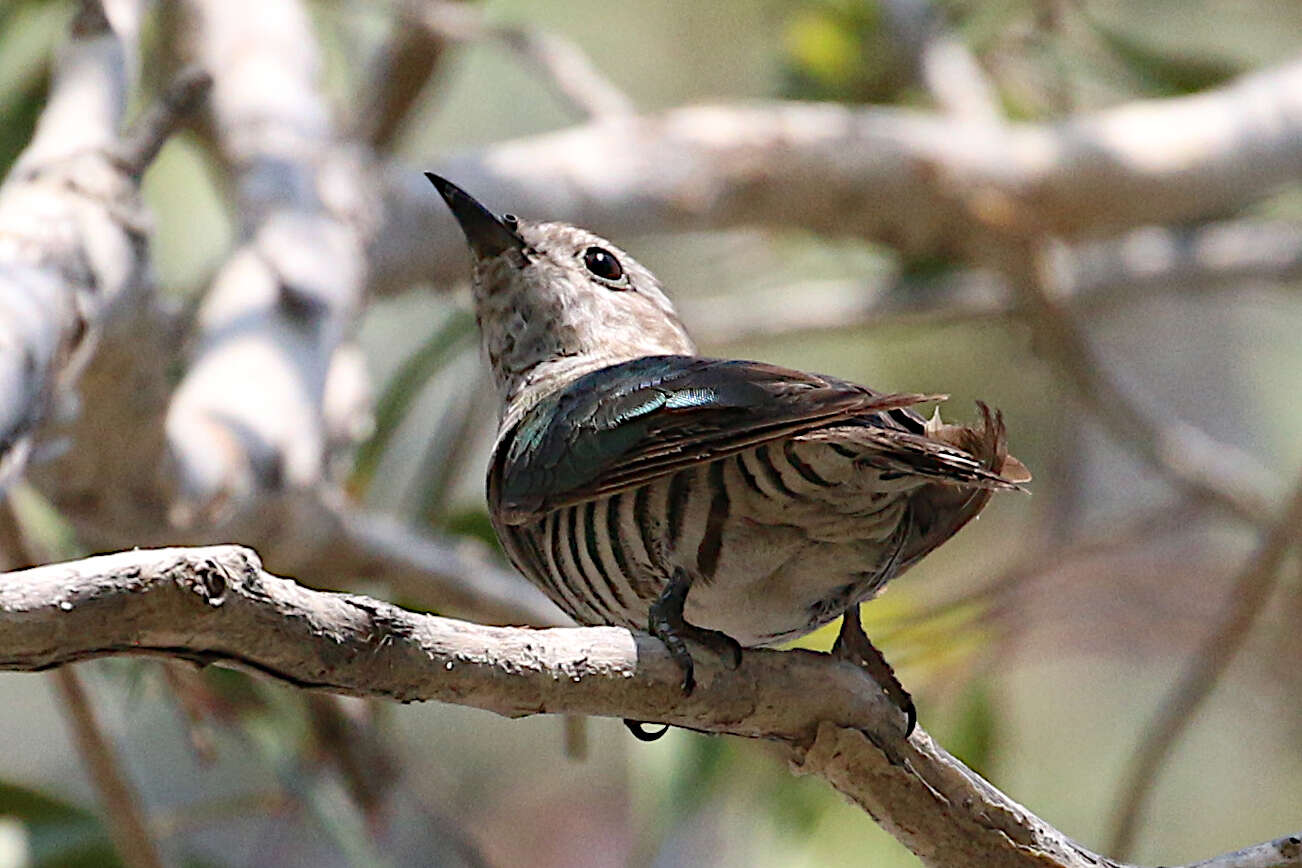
724, 502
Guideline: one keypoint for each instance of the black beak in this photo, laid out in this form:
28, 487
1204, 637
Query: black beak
487, 235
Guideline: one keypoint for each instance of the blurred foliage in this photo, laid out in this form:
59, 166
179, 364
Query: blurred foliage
1168, 72
473, 523
452, 336
842, 50
28, 31
972, 731
845, 50
57, 834
47, 534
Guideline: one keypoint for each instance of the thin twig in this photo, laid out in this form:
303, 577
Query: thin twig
562, 63
1090, 276
942, 63
1246, 599
142, 142
402, 67
1183, 454
990, 599
126, 821
347, 735
189, 691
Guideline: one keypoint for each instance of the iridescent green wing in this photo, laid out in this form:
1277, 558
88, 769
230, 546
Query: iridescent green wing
625, 425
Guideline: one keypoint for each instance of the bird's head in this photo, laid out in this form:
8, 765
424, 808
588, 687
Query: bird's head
554, 301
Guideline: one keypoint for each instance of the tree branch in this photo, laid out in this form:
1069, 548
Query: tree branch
398, 74
251, 413
877, 173
126, 820
71, 235
1090, 276
216, 605
1250, 592
142, 142
560, 62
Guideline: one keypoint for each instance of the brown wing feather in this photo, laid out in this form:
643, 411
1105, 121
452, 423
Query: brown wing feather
676, 448
627, 425
940, 511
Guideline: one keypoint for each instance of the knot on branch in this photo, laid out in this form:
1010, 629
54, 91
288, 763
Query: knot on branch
210, 576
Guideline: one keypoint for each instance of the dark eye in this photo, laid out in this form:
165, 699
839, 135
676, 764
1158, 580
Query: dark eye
603, 264
512, 222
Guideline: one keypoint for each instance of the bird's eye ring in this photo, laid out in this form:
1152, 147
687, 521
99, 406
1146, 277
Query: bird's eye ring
512, 222
603, 265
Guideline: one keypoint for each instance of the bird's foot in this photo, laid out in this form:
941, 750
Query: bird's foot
668, 625
853, 644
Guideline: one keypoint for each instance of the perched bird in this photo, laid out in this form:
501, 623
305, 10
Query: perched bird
726, 502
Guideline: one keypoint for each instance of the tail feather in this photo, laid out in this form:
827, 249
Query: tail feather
937, 512
988, 444
955, 454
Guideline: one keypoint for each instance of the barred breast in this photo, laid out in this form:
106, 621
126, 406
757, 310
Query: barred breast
778, 540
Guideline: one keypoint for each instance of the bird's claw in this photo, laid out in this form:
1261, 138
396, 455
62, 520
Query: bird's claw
666, 623
641, 733
853, 644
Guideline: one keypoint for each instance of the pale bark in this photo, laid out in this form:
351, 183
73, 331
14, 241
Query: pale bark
251, 413
903, 177
71, 236
217, 606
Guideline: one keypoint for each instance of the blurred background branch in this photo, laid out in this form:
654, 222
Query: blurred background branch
1085, 212
250, 413
889, 174
565, 68
1251, 590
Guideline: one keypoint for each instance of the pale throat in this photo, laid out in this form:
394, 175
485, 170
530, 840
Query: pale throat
539, 340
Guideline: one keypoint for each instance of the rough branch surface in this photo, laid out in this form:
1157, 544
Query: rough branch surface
217, 605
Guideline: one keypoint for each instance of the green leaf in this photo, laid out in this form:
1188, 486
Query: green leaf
973, 737
822, 47
59, 834
701, 762
472, 523
405, 386
20, 111
44, 527
1165, 72
28, 31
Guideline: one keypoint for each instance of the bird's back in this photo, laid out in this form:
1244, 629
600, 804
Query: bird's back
778, 537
